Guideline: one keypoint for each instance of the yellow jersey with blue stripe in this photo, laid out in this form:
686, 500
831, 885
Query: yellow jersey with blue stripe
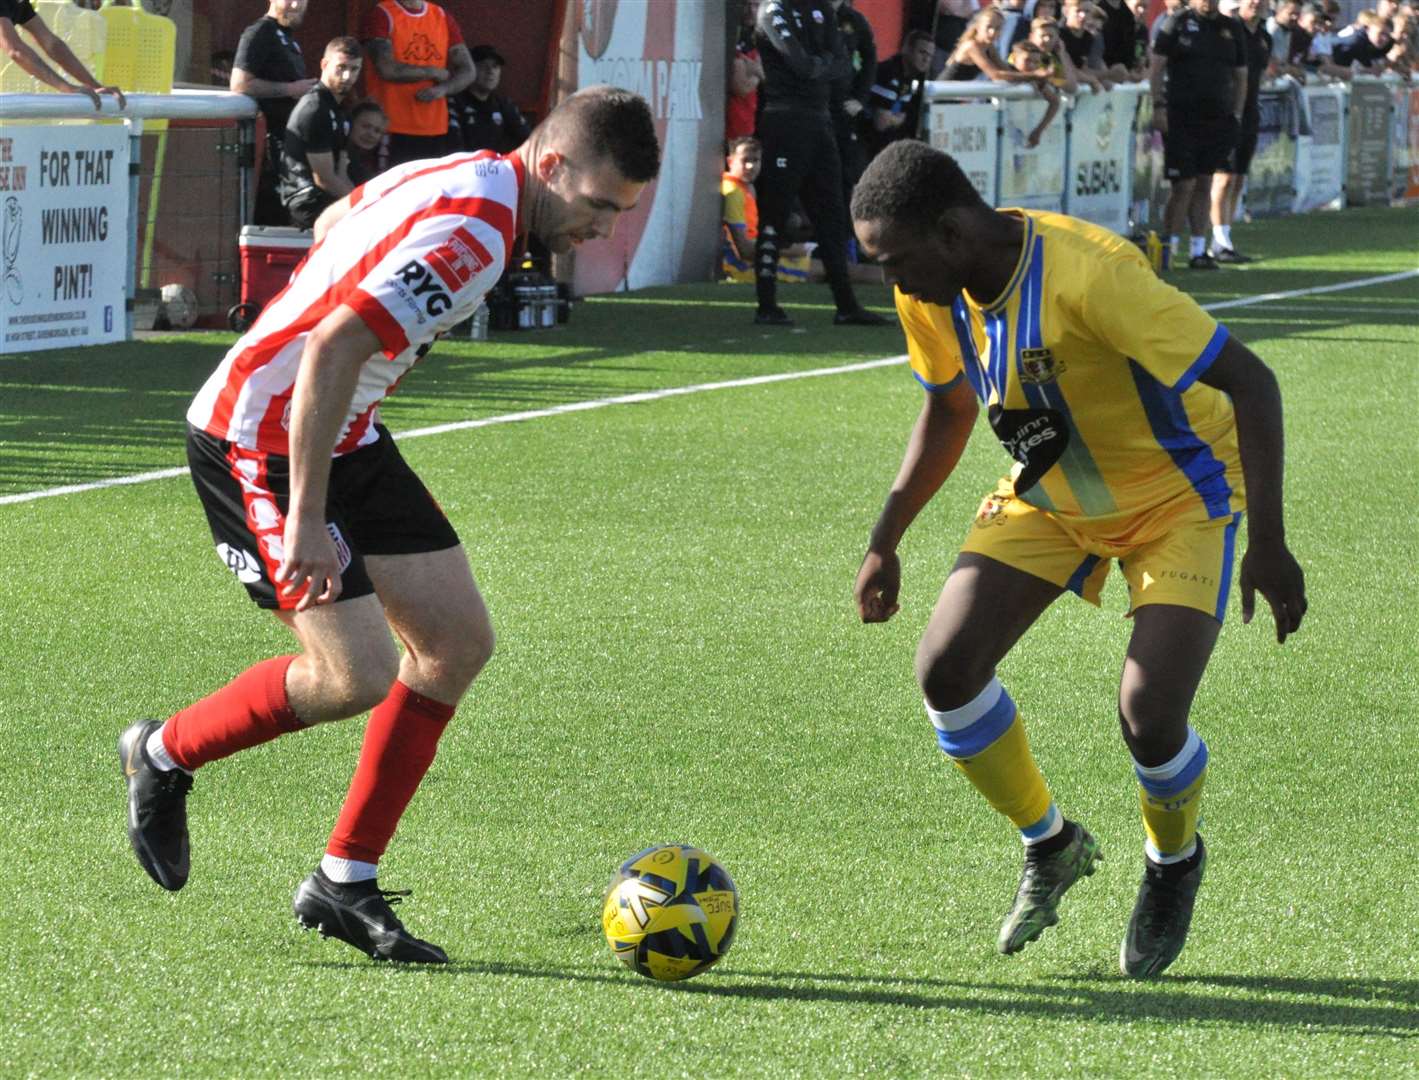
1088, 364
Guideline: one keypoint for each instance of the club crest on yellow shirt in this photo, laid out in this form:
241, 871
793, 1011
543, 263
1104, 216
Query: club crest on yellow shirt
1039, 366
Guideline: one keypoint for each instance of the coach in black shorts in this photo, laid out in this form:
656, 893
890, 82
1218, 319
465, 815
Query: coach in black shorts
1227, 183
799, 48
1202, 55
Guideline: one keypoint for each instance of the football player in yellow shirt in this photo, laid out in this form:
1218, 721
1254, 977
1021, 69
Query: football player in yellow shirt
1139, 428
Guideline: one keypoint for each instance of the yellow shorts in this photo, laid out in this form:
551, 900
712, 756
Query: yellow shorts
1189, 563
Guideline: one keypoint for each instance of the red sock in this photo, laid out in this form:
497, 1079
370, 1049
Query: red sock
249, 710
399, 746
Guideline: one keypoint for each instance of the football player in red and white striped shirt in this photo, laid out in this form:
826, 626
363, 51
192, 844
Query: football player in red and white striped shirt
317, 514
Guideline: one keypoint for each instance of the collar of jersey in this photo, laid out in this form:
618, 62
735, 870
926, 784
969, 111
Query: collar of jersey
1020, 264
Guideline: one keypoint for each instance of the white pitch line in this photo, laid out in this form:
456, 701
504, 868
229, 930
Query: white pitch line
668, 392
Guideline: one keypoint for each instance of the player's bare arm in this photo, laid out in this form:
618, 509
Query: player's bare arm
328, 175
13, 46
64, 56
942, 430
330, 369
381, 52
1268, 566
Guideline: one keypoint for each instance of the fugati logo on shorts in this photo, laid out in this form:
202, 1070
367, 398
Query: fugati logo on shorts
241, 563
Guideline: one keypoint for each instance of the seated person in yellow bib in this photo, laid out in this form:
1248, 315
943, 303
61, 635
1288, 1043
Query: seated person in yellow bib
1139, 428
741, 219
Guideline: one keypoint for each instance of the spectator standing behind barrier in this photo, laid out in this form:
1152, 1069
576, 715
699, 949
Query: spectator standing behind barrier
1085, 50
1227, 183
1362, 45
746, 74
314, 170
895, 103
852, 85
974, 56
1141, 45
16, 13
486, 119
741, 219
946, 21
798, 44
417, 60
1044, 35
1319, 23
269, 67
1203, 57
367, 127
1282, 27
1030, 58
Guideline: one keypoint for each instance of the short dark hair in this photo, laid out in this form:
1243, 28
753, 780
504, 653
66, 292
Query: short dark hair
608, 123
915, 38
742, 140
344, 46
913, 184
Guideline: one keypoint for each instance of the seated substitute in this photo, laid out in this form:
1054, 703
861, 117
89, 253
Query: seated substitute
314, 165
486, 119
366, 143
1141, 431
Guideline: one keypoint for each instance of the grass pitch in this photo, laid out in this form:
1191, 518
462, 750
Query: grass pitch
679, 660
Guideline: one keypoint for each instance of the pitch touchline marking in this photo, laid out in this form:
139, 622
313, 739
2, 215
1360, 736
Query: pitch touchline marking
673, 391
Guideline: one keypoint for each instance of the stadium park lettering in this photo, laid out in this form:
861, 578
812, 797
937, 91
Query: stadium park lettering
671, 86
12, 177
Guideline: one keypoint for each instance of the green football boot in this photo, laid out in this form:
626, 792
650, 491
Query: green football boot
1044, 881
1161, 916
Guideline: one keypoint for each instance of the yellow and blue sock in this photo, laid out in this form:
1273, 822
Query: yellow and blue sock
986, 741
1171, 798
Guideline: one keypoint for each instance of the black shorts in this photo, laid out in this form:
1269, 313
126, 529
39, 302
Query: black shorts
376, 505
1239, 160
1197, 146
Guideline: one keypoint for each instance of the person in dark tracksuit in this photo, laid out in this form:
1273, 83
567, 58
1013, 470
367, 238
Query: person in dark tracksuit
851, 94
798, 46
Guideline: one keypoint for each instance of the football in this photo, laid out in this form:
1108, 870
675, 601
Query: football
179, 305
671, 912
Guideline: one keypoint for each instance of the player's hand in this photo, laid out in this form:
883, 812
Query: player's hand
310, 563
878, 583
1271, 569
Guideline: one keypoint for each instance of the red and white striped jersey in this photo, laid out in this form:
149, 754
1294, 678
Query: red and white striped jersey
419, 248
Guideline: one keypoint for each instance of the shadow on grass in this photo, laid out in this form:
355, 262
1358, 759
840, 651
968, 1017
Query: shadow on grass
1386, 1007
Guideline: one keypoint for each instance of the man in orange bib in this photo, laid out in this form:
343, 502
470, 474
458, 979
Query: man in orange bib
417, 61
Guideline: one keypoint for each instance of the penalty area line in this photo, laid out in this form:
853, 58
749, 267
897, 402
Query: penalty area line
672, 391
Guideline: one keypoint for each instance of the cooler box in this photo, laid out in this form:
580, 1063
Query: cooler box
269, 255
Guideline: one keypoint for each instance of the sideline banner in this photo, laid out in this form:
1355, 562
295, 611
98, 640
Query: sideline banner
1100, 182
969, 133
1271, 180
1320, 155
1405, 188
1367, 171
1032, 177
63, 235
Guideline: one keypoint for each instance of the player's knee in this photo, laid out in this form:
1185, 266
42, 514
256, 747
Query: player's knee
461, 652
1152, 729
326, 690
949, 679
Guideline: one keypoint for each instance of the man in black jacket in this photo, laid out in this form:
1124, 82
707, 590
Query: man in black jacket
851, 93
486, 119
314, 161
800, 51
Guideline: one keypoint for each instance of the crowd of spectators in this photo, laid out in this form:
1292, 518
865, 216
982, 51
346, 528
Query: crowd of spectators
425, 94
1204, 62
